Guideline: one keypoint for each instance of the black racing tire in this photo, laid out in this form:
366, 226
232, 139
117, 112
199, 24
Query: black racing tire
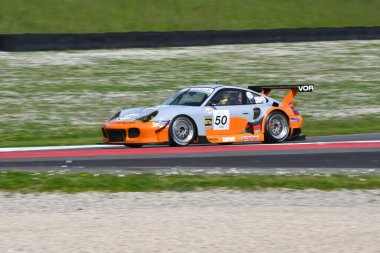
277, 128
182, 131
134, 145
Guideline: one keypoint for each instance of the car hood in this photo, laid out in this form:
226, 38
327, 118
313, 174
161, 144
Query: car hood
165, 112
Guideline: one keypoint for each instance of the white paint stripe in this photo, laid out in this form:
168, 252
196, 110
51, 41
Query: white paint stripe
108, 146
321, 142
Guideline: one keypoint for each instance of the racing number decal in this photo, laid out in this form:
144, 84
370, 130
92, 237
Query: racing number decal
221, 120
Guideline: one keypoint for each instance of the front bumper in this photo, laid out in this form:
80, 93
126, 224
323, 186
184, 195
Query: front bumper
134, 132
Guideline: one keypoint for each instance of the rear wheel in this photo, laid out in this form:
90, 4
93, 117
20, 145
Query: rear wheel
276, 127
182, 131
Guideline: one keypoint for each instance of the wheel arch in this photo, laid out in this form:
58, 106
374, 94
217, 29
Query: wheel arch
196, 133
192, 119
273, 109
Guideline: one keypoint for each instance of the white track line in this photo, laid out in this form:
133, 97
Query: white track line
46, 148
52, 148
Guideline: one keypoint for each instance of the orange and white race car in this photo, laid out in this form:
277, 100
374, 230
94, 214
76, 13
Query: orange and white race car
210, 113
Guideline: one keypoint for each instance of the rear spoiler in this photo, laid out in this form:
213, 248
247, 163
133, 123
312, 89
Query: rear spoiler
294, 89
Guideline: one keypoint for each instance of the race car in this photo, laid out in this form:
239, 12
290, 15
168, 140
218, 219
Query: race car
210, 113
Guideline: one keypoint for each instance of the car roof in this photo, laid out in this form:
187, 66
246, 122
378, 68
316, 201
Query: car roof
214, 86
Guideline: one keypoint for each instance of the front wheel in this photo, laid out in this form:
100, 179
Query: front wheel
182, 131
276, 127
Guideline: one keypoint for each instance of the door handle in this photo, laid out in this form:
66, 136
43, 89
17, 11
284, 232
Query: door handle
245, 112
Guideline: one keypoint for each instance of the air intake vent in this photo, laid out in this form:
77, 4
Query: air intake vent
133, 132
256, 113
116, 135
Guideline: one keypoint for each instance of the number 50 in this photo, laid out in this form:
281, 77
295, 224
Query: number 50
220, 120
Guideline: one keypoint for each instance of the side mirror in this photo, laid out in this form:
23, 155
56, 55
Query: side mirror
214, 102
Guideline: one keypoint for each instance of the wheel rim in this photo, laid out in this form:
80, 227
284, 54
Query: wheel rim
182, 131
278, 127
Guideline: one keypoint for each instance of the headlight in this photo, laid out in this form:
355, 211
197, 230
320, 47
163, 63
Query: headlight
148, 117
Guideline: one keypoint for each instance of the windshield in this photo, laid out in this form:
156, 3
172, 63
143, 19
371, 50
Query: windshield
190, 97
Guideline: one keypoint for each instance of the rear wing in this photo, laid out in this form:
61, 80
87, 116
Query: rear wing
294, 89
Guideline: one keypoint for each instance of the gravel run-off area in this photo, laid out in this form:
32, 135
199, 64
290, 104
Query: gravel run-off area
205, 221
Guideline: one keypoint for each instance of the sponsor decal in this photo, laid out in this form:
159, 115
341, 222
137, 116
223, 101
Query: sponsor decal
257, 127
161, 123
212, 139
128, 116
306, 88
260, 100
208, 122
221, 120
295, 119
249, 95
208, 91
208, 110
250, 138
228, 139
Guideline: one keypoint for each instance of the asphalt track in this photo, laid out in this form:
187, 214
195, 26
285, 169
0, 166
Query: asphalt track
327, 154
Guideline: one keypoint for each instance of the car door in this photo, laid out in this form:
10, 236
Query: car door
228, 113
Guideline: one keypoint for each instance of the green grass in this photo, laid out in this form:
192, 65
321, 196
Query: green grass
72, 183
59, 98
359, 125
95, 16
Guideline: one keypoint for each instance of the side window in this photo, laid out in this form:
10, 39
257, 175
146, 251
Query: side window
253, 98
228, 97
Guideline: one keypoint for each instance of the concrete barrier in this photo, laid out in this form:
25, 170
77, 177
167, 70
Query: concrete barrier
41, 42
